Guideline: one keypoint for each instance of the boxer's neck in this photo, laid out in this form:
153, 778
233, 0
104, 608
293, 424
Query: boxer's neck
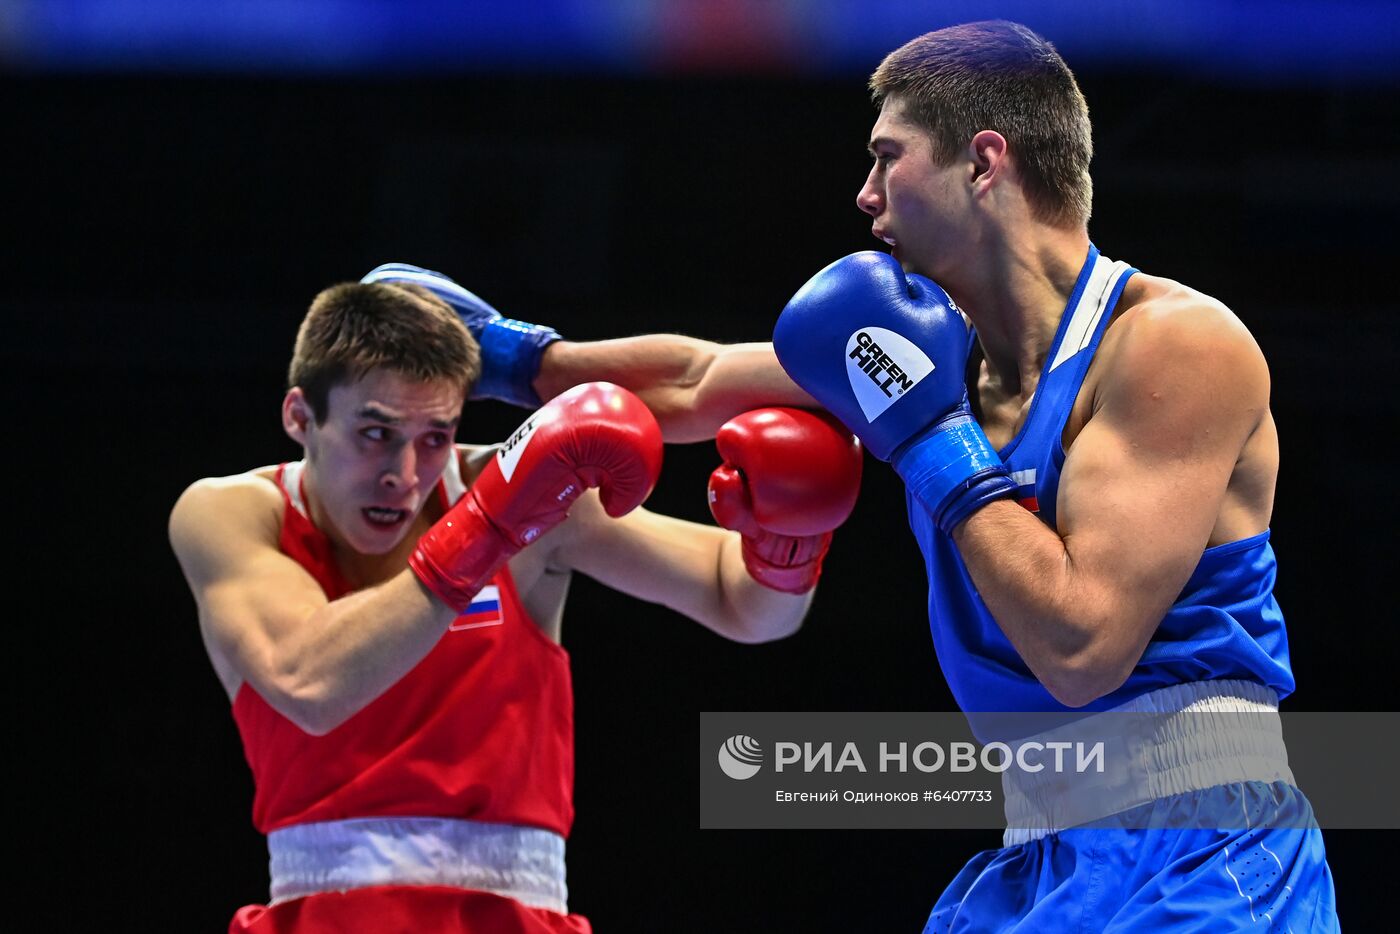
1017, 299
368, 570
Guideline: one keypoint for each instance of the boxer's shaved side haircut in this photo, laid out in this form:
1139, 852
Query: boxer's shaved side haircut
355, 327
999, 76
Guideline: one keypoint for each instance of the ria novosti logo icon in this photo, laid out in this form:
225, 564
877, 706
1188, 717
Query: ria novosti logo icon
740, 757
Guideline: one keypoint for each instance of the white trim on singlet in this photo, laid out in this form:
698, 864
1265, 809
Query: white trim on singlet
1092, 304
523, 863
452, 483
291, 482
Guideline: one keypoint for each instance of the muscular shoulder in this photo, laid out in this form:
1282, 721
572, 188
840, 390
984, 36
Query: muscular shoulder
219, 512
1173, 340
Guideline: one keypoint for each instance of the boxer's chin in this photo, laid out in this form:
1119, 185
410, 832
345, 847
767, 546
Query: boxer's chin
911, 266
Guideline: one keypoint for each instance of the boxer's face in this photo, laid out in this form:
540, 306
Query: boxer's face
377, 455
917, 205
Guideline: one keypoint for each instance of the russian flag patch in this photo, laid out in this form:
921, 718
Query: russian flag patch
1025, 488
485, 610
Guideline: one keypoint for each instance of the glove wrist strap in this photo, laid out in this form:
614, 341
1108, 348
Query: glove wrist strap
794, 578
953, 470
511, 352
460, 554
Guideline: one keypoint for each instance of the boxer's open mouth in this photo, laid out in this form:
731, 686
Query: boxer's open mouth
377, 515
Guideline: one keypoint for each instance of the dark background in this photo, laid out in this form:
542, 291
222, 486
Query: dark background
165, 233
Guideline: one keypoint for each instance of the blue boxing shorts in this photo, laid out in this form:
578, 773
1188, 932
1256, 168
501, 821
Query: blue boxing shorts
1112, 879
1197, 825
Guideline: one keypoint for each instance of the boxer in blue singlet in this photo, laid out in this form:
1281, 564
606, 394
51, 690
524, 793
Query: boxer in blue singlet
1092, 504
1090, 464
1251, 859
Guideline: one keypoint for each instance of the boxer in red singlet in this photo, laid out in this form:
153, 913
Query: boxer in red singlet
385, 613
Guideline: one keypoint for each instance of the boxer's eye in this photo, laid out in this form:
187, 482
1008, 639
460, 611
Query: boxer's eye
438, 440
375, 433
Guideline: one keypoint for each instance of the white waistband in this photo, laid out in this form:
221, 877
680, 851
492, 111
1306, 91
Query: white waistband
523, 863
1166, 749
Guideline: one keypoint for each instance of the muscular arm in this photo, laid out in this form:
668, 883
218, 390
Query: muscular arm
1140, 493
692, 386
696, 570
267, 621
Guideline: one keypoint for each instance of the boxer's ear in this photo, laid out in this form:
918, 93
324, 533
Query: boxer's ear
297, 416
988, 156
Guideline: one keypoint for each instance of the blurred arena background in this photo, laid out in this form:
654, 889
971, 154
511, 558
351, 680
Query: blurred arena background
184, 177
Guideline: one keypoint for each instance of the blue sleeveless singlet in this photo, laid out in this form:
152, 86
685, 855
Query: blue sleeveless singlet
1225, 623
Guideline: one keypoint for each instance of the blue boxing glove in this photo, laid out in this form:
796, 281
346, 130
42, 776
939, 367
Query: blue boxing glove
510, 350
886, 353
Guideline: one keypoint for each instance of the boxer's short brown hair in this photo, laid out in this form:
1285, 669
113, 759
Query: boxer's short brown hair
355, 327
999, 76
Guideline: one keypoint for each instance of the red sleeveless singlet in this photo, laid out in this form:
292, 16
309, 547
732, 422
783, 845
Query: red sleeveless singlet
481, 729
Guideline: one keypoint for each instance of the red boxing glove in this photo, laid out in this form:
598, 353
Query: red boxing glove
594, 435
789, 477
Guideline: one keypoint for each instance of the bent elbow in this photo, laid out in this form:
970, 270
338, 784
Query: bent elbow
309, 707
310, 718
757, 632
1072, 693
1080, 680
314, 721
317, 719
774, 633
